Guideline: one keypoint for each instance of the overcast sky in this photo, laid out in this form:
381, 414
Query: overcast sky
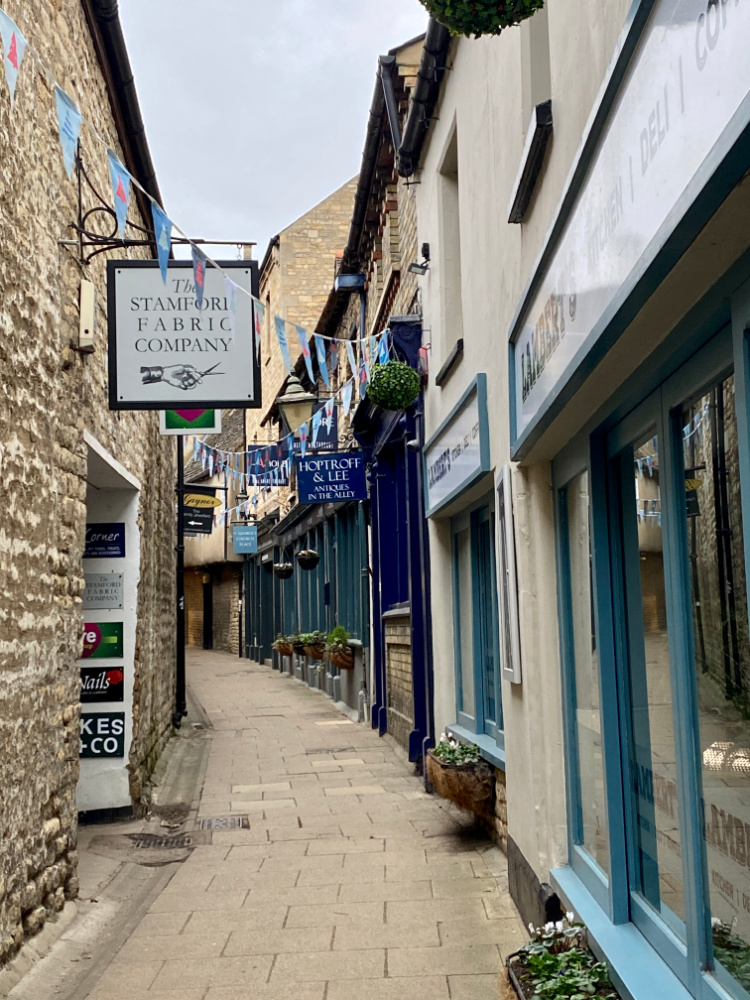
256, 110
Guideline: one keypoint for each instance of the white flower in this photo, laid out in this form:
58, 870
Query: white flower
570, 917
559, 926
531, 928
715, 923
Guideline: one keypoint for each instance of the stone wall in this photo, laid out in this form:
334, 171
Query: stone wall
226, 594
398, 674
194, 607
50, 395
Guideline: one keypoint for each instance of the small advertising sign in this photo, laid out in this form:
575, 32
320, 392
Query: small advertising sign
105, 540
170, 351
190, 422
102, 734
245, 539
103, 592
101, 640
331, 478
102, 684
197, 521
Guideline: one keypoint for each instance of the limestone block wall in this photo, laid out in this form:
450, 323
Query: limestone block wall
50, 395
226, 591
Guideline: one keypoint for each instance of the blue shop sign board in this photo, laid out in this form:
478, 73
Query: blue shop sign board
105, 540
331, 478
245, 539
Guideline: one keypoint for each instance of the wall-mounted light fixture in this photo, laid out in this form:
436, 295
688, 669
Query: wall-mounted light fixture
424, 267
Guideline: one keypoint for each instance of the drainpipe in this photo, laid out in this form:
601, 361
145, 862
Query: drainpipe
391, 105
424, 97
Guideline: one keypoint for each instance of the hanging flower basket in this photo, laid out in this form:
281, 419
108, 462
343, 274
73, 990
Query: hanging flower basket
283, 645
308, 558
313, 643
283, 570
338, 650
480, 17
298, 647
467, 781
393, 386
315, 652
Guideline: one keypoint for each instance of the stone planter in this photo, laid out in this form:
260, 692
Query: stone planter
469, 786
519, 978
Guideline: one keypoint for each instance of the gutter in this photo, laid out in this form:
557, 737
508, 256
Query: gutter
106, 31
424, 97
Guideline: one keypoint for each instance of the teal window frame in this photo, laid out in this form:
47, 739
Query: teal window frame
478, 729
692, 359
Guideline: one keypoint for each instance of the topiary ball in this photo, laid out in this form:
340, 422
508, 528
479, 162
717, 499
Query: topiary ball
480, 17
393, 386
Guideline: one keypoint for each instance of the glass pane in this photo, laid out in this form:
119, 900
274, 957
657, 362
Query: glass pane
592, 832
485, 573
465, 619
658, 863
713, 513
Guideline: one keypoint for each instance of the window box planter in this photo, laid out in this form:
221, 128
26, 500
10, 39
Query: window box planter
341, 658
470, 786
284, 647
315, 652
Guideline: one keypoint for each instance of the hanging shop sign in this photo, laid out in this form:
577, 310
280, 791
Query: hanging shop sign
458, 454
102, 734
189, 421
681, 105
203, 500
168, 351
105, 540
103, 592
331, 478
197, 520
102, 640
102, 684
245, 539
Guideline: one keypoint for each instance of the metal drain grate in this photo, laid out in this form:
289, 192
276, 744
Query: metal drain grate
154, 840
226, 823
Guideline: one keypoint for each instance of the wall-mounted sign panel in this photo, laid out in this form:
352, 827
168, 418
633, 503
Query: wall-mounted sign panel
102, 734
197, 520
102, 684
103, 592
102, 640
245, 539
189, 421
203, 500
688, 78
166, 352
458, 453
331, 478
105, 540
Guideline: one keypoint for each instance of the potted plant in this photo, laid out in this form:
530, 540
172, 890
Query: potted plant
338, 650
480, 17
393, 386
298, 645
283, 645
308, 558
556, 964
283, 570
458, 773
314, 644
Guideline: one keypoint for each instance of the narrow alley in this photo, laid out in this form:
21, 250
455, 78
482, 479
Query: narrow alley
329, 873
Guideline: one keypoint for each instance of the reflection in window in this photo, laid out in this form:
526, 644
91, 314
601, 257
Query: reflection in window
592, 813
713, 505
462, 543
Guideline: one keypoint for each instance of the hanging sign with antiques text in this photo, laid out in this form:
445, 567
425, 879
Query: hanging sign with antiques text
168, 351
331, 478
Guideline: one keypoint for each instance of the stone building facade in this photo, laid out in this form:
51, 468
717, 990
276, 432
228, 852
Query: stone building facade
59, 445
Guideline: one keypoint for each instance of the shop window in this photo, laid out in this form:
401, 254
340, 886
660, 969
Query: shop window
476, 641
450, 250
589, 811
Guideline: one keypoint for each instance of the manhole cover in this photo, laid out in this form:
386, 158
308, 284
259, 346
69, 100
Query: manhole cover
151, 840
226, 823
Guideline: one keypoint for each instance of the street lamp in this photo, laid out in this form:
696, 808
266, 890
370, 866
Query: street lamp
296, 405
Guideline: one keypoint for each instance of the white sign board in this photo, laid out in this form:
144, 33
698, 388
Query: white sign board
166, 353
686, 80
458, 453
103, 591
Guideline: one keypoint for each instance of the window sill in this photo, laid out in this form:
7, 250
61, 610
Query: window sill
637, 970
487, 746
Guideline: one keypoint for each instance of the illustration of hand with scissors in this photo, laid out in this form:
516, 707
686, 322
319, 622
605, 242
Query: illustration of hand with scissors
180, 376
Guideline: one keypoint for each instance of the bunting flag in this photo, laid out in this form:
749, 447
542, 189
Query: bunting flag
14, 47
316, 420
231, 291
328, 410
163, 234
371, 353
199, 274
258, 312
121, 189
364, 377
334, 355
281, 334
383, 353
69, 124
303, 440
304, 344
320, 351
346, 396
351, 357
290, 446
